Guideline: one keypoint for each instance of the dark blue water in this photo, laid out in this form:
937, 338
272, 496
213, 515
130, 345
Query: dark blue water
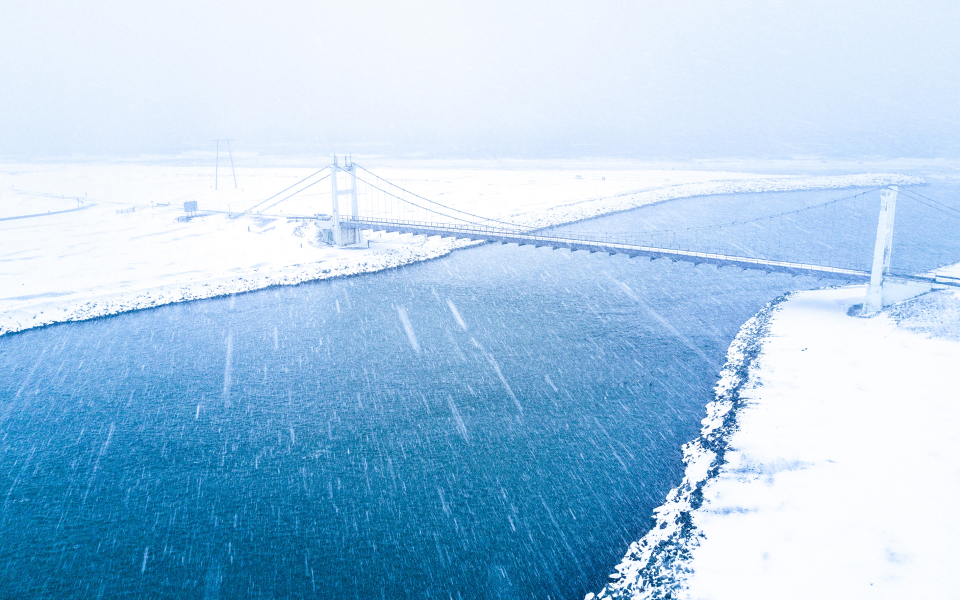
497, 423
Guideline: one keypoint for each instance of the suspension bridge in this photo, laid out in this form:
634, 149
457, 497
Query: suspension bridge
829, 232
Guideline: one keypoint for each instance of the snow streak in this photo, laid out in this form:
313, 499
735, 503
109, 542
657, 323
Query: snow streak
228, 368
456, 314
402, 312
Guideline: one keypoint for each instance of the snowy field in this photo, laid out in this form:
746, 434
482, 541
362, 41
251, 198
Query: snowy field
828, 467
84, 240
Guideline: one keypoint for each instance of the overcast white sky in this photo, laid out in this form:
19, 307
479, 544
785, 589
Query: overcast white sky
664, 79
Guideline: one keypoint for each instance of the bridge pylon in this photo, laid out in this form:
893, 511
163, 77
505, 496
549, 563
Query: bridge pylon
885, 289
343, 235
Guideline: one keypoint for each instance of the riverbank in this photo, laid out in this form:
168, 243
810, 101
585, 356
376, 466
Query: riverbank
126, 250
828, 466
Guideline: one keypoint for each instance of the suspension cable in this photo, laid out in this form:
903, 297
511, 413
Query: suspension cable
291, 195
911, 194
281, 192
513, 225
762, 218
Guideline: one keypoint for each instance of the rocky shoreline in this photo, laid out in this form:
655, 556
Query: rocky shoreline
654, 567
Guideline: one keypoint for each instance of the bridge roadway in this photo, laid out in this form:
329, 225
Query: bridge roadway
505, 236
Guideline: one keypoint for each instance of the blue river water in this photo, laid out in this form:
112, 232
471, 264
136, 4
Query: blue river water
497, 423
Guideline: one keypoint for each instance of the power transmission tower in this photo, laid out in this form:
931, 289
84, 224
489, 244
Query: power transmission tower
217, 161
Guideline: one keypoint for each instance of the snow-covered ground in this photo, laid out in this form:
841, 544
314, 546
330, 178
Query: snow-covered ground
82, 240
828, 466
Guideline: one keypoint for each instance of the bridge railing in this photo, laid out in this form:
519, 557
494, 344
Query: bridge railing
450, 225
458, 228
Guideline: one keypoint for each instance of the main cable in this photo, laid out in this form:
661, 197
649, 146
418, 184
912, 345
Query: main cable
764, 217
292, 195
913, 196
516, 227
281, 192
481, 217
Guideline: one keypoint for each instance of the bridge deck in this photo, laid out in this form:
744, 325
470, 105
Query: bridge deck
505, 236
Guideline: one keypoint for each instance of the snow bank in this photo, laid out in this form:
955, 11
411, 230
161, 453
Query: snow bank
828, 466
654, 566
124, 249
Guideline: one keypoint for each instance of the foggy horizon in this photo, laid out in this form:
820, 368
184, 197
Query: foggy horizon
453, 80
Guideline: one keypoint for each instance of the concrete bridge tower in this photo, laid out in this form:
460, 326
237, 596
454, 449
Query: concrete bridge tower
884, 288
344, 235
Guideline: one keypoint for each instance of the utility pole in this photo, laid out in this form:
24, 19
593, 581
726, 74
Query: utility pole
217, 162
231, 155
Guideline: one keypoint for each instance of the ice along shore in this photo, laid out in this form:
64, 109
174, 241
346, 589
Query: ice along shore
828, 465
